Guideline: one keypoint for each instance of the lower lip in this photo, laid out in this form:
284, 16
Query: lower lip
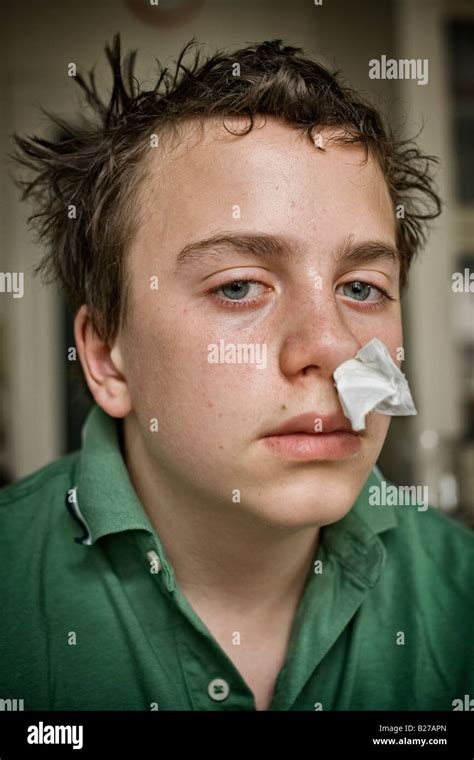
307, 447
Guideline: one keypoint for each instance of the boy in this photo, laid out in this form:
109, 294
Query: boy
213, 546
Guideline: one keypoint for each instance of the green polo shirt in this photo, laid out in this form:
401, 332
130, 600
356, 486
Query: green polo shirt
92, 617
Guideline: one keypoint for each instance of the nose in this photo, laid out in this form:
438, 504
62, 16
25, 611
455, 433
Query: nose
317, 338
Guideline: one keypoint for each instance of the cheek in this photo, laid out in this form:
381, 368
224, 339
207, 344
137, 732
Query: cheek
170, 377
377, 427
389, 330
394, 343
382, 428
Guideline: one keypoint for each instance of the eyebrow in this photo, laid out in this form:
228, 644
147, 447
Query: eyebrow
248, 243
279, 247
366, 251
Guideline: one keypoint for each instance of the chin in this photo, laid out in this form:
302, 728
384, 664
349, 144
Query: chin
295, 512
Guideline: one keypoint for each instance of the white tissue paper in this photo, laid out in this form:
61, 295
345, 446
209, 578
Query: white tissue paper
371, 381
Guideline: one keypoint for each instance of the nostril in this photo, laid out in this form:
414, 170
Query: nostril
310, 367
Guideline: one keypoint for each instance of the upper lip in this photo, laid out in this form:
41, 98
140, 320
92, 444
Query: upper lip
306, 423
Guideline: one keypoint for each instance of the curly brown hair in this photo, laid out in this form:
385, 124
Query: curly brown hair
97, 165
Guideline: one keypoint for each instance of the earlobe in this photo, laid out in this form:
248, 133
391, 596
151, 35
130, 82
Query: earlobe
103, 367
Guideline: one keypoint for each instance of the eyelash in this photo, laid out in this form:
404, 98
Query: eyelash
370, 306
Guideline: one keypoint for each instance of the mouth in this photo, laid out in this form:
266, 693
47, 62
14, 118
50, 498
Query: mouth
314, 436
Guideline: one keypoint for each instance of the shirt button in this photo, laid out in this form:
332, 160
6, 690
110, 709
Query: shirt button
218, 689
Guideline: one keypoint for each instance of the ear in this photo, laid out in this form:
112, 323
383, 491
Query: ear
103, 367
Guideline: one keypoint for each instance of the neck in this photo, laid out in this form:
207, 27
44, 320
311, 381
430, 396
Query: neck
220, 553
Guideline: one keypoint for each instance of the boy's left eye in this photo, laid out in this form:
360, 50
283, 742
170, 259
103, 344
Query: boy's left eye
363, 291
236, 290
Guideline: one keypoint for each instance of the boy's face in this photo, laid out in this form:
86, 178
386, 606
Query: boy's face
213, 418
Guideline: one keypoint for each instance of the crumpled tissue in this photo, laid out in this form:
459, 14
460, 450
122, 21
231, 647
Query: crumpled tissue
371, 381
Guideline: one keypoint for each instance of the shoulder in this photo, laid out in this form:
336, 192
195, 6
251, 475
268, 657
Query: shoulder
36, 498
416, 534
34, 547
438, 539
430, 560
43, 477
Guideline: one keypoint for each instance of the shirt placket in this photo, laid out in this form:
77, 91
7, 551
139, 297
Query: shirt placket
329, 603
212, 681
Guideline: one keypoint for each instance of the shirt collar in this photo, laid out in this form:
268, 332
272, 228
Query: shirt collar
105, 501
355, 539
377, 519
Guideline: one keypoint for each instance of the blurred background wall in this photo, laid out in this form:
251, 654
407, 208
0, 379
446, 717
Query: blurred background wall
41, 408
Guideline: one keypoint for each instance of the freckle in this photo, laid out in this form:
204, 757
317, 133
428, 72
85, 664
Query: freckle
210, 405
283, 407
221, 447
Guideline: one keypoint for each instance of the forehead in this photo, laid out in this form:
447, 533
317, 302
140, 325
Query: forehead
202, 179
